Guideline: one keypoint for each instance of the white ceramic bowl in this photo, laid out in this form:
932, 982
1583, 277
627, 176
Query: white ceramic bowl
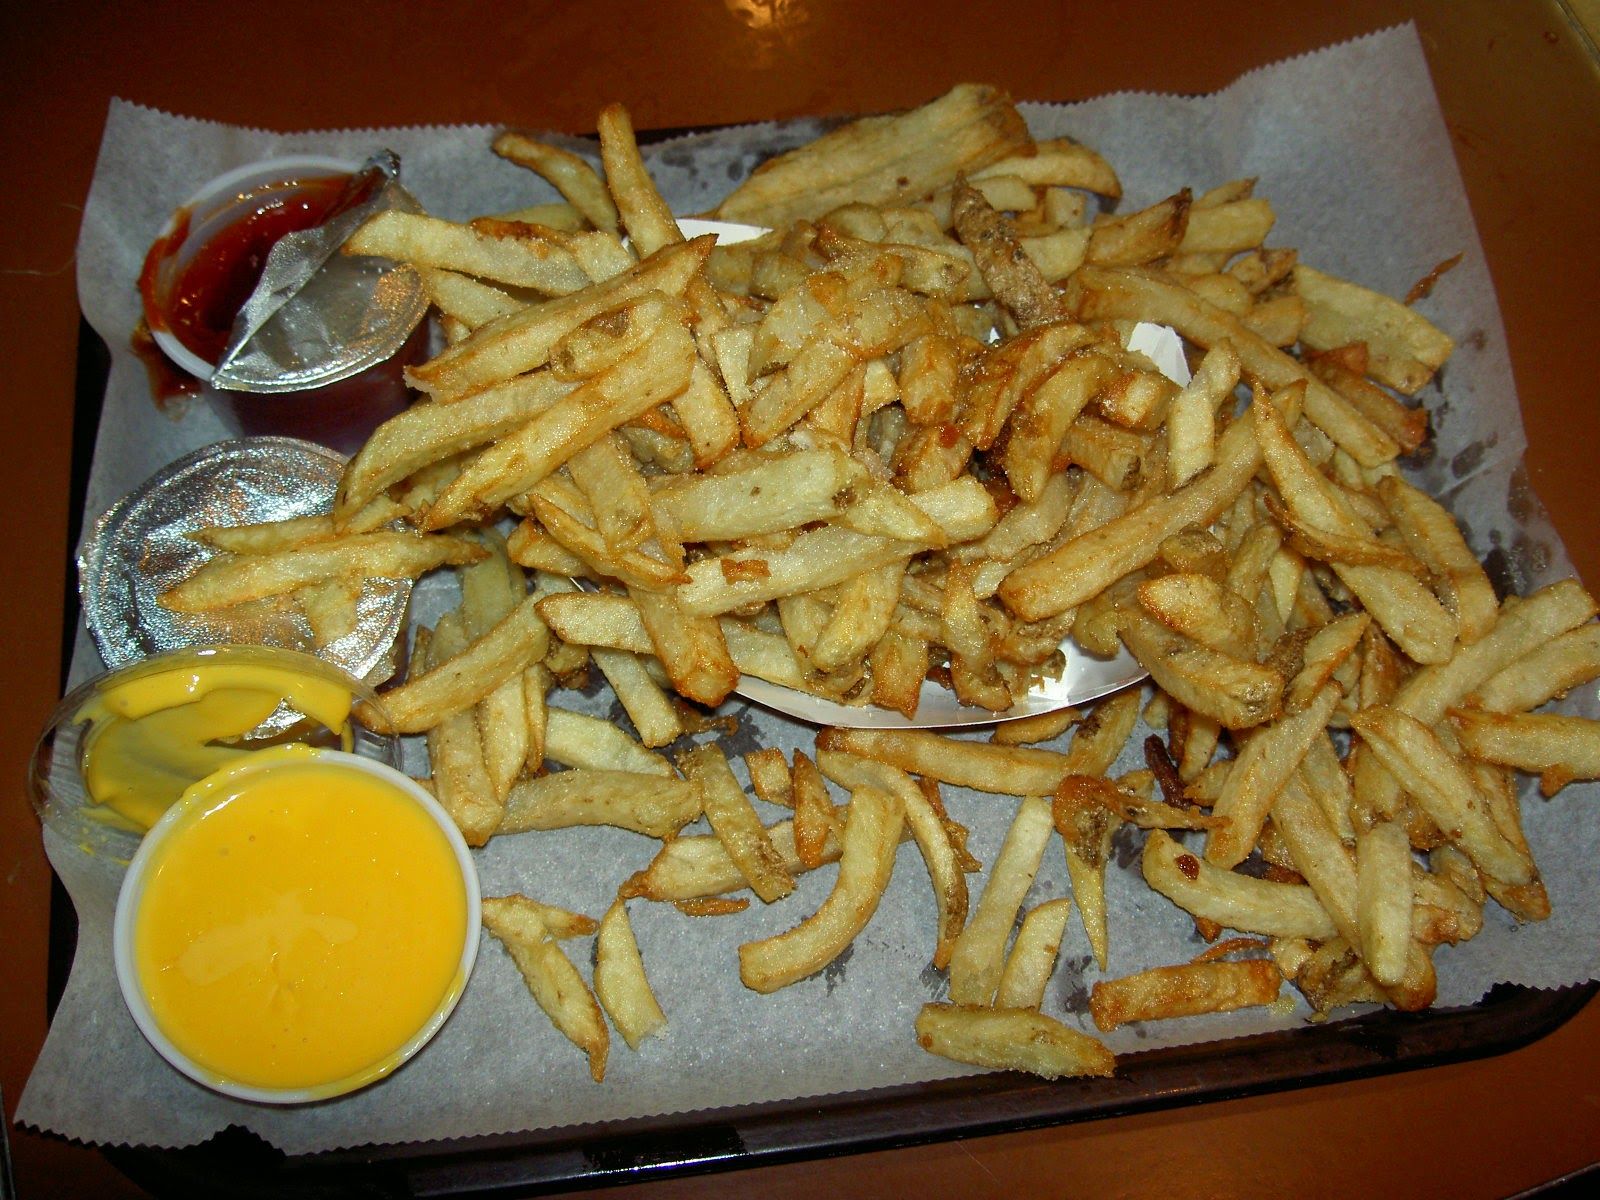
128, 900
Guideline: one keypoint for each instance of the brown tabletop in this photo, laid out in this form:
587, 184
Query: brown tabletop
1520, 86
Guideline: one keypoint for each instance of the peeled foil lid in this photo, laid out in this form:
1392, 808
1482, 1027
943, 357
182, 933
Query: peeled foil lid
139, 548
319, 316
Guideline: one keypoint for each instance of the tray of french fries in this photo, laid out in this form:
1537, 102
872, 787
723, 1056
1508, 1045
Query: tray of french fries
891, 454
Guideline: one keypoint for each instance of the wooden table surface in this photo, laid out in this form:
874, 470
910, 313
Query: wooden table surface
1519, 85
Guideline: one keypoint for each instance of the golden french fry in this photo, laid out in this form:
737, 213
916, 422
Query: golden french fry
1402, 604
931, 833
502, 251
653, 805
1557, 748
867, 850
620, 982
1088, 564
735, 822
1552, 670
455, 750
1265, 762
1441, 785
575, 740
517, 641
1383, 900
1433, 536
1033, 955
1185, 991
1404, 349
814, 819
1111, 294
1011, 1039
882, 158
1232, 900
978, 956
572, 176
223, 582
656, 371
523, 341
550, 976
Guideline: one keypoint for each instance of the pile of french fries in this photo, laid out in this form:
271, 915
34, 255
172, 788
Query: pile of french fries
900, 437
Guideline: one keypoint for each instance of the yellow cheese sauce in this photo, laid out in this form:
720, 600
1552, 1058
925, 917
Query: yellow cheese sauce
300, 921
152, 735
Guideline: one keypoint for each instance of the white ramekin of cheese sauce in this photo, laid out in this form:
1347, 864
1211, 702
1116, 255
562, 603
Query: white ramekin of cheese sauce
299, 924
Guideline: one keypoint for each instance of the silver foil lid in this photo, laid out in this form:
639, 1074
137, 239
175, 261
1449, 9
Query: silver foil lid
138, 549
318, 316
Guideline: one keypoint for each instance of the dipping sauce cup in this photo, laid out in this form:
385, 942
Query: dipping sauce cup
206, 262
297, 926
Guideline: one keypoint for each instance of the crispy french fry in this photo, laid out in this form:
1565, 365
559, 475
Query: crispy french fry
867, 850
735, 822
1186, 991
1033, 955
1559, 749
1016, 1039
978, 956
550, 976
1232, 900
653, 805
620, 982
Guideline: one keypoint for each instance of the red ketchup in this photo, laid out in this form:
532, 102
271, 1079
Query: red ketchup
211, 288
193, 294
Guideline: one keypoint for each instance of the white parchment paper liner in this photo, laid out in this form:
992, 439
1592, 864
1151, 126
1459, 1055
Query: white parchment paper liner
1350, 147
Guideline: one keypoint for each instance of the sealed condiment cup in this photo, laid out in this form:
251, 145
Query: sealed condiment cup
123, 746
297, 926
331, 361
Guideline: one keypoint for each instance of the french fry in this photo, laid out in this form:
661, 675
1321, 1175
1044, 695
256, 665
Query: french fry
1403, 347
572, 176
524, 340
867, 850
1433, 536
224, 582
1264, 763
451, 685
502, 251
575, 740
657, 371
1011, 1039
1088, 564
1232, 900
1552, 670
1235, 692
1164, 992
1383, 900
978, 956
654, 805
735, 822
814, 819
620, 983
1109, 294
1033, 955
550, 976
455, 750
1012, 276
882, 158
1408, 612
931, 833
1441, 785
1557, 748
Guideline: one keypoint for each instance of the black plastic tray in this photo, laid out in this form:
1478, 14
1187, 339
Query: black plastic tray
239, 1164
